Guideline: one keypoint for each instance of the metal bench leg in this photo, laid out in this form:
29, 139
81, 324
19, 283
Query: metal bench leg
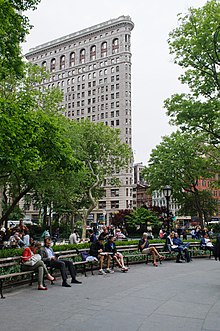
1, 289
32, 279
92, 268
84, 266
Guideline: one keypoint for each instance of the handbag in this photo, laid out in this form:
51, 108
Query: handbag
33, 260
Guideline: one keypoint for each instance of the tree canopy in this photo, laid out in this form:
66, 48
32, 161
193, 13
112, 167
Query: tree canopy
14, 26
179, 161
195, 44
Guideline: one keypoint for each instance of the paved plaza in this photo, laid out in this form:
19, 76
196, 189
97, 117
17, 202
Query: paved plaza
173, 296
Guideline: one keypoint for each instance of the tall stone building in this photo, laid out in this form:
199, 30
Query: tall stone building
93, 69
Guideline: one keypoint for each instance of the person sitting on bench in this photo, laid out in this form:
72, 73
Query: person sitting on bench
171, 247
206, 243
118, 257
145, 249
51, 261
184, 248
97, 250
39, 266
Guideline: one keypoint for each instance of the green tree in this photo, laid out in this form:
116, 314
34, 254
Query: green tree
195, 44
142, 218
180, 162
14, 26
34, 144
208, 204
103, 155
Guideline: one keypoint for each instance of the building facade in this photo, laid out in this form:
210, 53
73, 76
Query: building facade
93, 69
141, 198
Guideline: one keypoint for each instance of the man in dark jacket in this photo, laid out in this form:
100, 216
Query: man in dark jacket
97, 250
182, 247
51, 260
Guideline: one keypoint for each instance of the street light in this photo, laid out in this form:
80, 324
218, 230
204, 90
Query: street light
167, 191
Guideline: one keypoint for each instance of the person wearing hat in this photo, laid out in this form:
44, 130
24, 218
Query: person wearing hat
118, 257
97, 250
145, 249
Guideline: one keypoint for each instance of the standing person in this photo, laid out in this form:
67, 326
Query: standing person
51, 260
21, 227
104, 233
56, 236
161, 233
38, 266
145, 249
118, 257
74, 237
45, 234
92, 236
26, 238
97, 250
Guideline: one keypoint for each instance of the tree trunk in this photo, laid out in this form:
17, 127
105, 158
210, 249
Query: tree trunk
45, 216
199, 208
13, 205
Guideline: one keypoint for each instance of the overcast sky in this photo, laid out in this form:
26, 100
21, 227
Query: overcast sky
154, 75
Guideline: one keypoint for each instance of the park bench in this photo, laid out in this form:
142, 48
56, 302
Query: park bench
5, 279
76, 257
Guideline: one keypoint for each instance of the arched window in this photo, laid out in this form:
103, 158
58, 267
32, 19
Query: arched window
104, 49
62, 62
93, 52
52, 65
44, 65
115, 46
72, 59
82, 56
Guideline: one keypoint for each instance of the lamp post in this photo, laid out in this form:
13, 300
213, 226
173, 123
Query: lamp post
167, 191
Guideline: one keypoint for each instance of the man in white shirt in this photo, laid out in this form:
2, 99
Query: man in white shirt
74, 237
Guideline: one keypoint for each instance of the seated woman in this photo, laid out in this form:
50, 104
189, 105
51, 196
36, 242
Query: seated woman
118, 257
39, 266
206, 243
145, 249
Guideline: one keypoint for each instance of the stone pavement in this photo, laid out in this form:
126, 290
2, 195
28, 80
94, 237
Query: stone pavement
171, 297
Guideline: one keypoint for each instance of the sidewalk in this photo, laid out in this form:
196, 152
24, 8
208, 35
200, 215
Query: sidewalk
172, 297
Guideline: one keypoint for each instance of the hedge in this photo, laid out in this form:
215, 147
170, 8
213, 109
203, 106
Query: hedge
18, 251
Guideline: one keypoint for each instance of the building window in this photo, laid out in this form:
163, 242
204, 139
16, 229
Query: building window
93, 52
102, 204
72, 59
114, 192
52, 65
82, 56
44, 65
62, 62
114, 204
115, 46
104, 49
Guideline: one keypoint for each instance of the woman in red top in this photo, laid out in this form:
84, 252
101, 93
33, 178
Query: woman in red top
38, 266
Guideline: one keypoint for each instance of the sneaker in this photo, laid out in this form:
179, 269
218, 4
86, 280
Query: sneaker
101, 272
109, 271
124, 269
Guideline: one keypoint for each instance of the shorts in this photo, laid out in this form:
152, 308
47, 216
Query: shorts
146, 251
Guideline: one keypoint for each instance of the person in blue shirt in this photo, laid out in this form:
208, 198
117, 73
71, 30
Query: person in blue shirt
181, 246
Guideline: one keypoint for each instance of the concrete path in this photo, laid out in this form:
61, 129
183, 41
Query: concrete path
171, 297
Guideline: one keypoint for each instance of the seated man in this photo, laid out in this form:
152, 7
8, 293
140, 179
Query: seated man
206, 243
145, 249
182, 247
51, 260
97, 250
118, 257
171, 247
